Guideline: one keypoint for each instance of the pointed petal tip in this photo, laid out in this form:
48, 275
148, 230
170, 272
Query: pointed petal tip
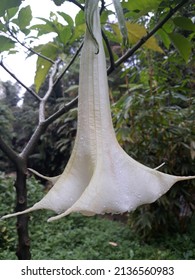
183, 178
53, 180
54, 218
9, 216
57, 217
33, 208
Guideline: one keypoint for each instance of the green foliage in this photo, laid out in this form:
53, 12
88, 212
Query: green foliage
51, 159
121, 21
67, 34
58, 2
154, 120
133, 25
182, 44
142, 7
6, 43
24, 17
11, 91
10, 13
5, 5
78, 237
6, 121
134, 33
67, 18
8, 109
43, 66
7, 199
184, 23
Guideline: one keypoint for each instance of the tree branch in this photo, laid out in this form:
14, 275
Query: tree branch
77, 4
51, 82
20, 82
28, 48
48, 93
10, 153
112, 63
68, 66
33, 140
61, 111
131, 51
42, 125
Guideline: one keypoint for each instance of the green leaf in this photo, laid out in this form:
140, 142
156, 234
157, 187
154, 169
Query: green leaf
2, 27
67, 18
43, 28
6, 44
105, 16
65, 34
24, 17
12, 12
181, 44
43, 66
184, 23
121, 20
78, 32
80, 18
58, 2
5, 5
164, 37
135, 33
114, 37
143, 6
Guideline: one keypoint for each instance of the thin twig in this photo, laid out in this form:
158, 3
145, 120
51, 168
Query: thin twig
30, 49
61, 111
68, 66
7, 150
48, 93
51, 82
19, 81
77, 4
28, 149
112, 63
42, 125
102, 7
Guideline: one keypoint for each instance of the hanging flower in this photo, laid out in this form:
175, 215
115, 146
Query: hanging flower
100, 177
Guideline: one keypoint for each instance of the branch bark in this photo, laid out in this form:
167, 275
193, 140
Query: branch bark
61, 111
19, 81
11, 154
69, 65
28, 48
23, 248
77, 4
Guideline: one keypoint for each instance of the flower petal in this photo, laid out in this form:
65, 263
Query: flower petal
120, 184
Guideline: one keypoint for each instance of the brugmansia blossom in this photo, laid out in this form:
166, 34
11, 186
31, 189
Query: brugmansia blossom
100, 177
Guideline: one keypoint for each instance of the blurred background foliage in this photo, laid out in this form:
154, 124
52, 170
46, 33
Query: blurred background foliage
153, 108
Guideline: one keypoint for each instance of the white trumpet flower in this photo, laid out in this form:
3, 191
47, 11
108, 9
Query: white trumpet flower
100, 177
